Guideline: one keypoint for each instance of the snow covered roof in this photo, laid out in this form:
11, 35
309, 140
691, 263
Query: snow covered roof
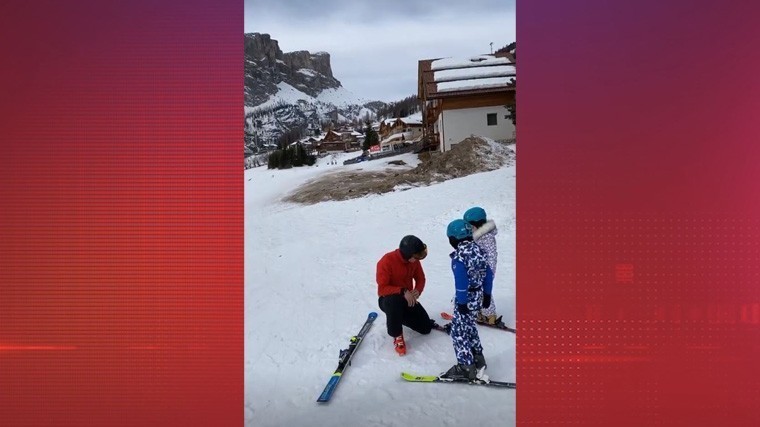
396, 136
475, 61
477, 74
306, 140
411, 120
474, 72
470, 84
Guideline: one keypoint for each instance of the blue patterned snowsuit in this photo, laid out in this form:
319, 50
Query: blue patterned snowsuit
472, 277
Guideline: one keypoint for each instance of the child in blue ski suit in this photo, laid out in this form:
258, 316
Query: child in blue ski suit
473, 280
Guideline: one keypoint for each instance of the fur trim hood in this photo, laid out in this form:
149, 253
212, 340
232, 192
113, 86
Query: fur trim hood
488, 227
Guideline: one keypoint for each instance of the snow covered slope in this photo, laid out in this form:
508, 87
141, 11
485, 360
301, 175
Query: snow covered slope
328, 99
290, 108
310, 282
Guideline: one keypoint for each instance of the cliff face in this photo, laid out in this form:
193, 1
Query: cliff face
316, 99
266, 66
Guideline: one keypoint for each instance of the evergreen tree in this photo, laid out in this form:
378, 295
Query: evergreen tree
287, 157
512, 108
370, 137
275, 159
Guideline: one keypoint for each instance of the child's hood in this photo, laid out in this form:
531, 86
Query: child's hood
488, 227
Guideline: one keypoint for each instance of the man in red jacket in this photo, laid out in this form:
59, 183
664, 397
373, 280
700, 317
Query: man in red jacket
400, 282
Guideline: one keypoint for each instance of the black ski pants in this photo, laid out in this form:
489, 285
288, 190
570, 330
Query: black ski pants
398, 314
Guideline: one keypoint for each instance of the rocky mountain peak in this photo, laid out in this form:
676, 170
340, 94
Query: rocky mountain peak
266, 66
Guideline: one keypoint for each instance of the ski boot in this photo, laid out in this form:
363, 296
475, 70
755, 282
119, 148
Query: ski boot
488, 320
443, 328
480, 365
460, 372
447, 328
480, 360
400, 345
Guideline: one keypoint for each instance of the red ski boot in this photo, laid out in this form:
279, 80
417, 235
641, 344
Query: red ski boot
400, 345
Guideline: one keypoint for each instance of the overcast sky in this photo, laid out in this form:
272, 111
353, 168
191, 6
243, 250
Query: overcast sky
374, 46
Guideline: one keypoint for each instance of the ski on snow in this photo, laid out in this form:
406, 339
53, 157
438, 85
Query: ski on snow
345, 359
499, 323
436, 379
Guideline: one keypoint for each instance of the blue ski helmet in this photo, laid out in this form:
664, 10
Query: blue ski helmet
459, 229
475, 214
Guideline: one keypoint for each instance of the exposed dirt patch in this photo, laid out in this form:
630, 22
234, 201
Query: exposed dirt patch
470, 156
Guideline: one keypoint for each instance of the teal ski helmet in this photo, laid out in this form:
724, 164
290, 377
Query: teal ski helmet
475, 214
459, 229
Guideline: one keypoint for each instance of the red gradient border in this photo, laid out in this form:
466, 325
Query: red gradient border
638, 265
121, 248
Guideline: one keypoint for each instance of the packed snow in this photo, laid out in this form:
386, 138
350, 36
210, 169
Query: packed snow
310, 283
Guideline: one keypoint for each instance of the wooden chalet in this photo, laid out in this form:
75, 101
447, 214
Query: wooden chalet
465, 96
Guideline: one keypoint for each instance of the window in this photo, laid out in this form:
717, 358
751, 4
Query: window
491, 117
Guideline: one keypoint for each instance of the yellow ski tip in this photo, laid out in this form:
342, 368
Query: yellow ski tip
418, 378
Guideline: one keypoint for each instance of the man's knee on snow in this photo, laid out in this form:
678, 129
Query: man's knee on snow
426, 328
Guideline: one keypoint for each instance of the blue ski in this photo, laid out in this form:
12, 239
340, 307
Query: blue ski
345, 359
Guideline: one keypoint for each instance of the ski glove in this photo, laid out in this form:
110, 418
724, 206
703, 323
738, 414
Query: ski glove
486, 300
462, 308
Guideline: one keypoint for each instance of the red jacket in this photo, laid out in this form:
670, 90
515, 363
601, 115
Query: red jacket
394, 273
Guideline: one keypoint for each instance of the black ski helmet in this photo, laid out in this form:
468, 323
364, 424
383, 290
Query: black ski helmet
411, 245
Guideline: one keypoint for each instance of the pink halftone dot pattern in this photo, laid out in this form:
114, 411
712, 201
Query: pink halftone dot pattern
632, 154
122, 218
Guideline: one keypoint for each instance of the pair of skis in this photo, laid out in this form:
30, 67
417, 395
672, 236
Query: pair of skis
345, 359
346, 355
499, 324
